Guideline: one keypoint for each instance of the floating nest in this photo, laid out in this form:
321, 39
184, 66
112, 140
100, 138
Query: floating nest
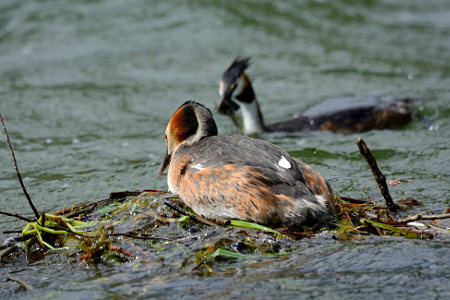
135, 225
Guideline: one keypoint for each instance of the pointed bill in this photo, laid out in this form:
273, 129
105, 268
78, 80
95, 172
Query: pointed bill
164, 163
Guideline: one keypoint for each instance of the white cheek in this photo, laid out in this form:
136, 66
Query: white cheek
239, 86
170, 146
221, 89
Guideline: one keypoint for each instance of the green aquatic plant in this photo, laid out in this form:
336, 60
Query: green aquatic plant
393, 229
256, 226
229, 254
48, 222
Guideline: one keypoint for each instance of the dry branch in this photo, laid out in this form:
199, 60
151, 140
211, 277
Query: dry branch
17, 170
16, 216
421, 216
144, 236
121, 251
355, 201
379, 177
192, 216
20, 282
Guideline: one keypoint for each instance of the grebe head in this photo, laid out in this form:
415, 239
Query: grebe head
237, 92
235, 87
190, 123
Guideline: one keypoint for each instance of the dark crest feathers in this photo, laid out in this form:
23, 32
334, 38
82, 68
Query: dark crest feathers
186, 122
236, 69
189, 123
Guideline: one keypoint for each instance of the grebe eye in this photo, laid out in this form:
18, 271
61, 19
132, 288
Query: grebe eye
165, 136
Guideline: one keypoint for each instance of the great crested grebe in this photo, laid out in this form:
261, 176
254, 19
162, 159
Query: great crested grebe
343, 115
236, 177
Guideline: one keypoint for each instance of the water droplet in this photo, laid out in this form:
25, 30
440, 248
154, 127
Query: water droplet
433, 127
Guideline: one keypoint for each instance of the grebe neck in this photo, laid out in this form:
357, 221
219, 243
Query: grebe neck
252, 117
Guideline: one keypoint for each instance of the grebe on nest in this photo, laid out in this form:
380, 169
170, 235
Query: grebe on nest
236, 177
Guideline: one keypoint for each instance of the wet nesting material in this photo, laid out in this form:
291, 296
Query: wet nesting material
141, 227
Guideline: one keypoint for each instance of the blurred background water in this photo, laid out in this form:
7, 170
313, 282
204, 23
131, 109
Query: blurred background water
87, 88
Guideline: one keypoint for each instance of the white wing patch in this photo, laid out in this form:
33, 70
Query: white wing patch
197, 167
284, 163
321, 200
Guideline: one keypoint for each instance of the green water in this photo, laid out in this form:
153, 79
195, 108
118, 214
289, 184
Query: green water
87, 88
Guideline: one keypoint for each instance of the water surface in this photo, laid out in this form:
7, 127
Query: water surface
87, 88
